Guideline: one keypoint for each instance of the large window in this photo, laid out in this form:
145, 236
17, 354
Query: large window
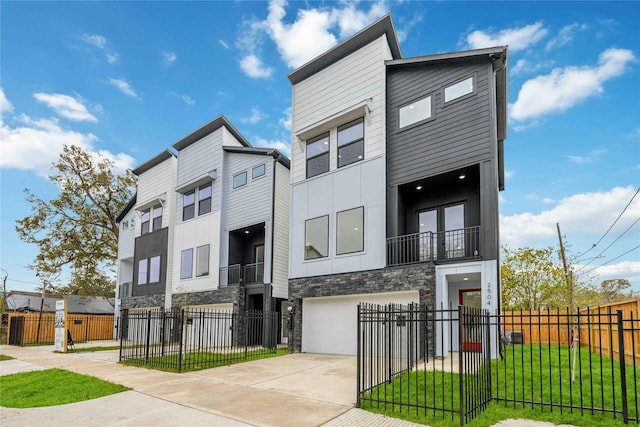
145, 219
142, 271
351, 142
157, 218
204, 199
154, 269
186, 264
318, 155
458, 90
350, 231
415, 112
188, 205
240, 180
202, 260
316, 236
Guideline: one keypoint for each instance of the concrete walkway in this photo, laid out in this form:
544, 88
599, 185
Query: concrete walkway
293, 390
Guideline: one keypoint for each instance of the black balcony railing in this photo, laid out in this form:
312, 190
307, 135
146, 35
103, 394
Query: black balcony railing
449, 245
250, 273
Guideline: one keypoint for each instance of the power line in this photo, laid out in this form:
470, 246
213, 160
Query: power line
614, 223
613, 259
611, 244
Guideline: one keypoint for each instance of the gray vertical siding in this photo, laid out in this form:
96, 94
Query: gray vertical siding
460, 133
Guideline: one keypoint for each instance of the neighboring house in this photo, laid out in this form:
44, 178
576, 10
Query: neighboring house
222, 237
29, 302
396, 164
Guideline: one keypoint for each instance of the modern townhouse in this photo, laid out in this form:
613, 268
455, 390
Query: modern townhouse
396, 165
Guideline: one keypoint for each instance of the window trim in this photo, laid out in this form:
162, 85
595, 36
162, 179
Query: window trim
305, 237
264, 171
338, 235
474, 82
147, 222
182, 258
154, 217
420, 122
246, 179
150, 270
184, 207
208, 246
327, 153
146, 272
348, 125
210, 185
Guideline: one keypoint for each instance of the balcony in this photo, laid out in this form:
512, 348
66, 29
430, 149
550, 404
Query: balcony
250, 273
442, 246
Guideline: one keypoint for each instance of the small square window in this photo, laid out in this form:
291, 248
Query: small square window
258, 171
186, 264
415, 112
240, 180
188, 205
350, 231
458, 90
125, 225
318, 155
204, 199
316, 235
132, 223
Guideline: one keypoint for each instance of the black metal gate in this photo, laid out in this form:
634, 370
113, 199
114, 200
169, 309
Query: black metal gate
16, 330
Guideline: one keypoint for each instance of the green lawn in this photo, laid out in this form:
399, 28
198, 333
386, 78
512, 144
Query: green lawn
52, 387
5, 357
517, 377
196, 361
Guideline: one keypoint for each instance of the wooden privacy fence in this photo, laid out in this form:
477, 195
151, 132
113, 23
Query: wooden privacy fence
597, 327
23, 328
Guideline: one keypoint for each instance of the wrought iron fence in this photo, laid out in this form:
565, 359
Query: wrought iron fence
193, 339
429, 246
450, 363
250, 273
230, 275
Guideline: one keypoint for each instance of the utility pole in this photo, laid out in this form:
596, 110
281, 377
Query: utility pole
567, 273
44, 293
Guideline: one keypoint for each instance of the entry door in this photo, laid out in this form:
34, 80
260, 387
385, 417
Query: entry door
471, 332
427, 243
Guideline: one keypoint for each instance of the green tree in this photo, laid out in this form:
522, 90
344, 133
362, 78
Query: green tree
78, 230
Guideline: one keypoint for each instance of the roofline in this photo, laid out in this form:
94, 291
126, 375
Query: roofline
264, 151
383, 26
207, 129
127, 208
448, 56
165, 155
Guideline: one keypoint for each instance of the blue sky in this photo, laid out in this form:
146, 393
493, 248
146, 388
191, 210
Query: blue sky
128, 79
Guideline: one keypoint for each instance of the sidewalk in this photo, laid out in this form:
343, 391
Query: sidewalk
292, 390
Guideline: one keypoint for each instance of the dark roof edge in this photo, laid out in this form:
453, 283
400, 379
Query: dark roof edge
264, 151
449, 56
127, 208
166, 154
207, 129
362, 38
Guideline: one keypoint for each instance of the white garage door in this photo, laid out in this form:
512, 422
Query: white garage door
329, 324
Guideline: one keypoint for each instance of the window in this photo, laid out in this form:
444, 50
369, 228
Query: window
351, 142
240, 180
142, 271
157, 218
132, 223
258, 171
415, 112
125, 225
350, 231
202, 260
458, 90
146, 215
188, 205
316, 235
154, 269
204, 199
186, 265
318, 155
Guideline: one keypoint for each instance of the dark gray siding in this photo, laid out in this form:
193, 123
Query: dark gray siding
461, 132
147, 246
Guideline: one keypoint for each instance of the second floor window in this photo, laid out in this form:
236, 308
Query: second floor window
204, 199
157, 218
186, 264
240, 180
188, 205
145, 220
351, 142
318, 155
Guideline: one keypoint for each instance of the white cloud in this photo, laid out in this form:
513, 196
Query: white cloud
589, 158
524, 66
5, 106
403, 32
223, 44
255, 117
587, 215
635, 133
565, 35
112, 58
169, 57
508, 174
629, 270
188, 100
124, 87
66, 106
517, 38
254, 68
94, 40
281, 146
565, 87
36, 144
285, 121
351, 20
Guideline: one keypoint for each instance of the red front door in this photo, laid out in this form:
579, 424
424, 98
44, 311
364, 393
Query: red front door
470, 333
